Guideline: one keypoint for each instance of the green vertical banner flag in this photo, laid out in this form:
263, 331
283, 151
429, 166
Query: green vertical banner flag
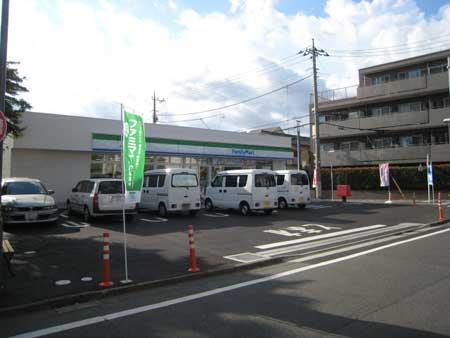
133, 155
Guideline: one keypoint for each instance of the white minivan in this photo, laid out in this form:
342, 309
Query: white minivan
246, 190
293, 188
169, 190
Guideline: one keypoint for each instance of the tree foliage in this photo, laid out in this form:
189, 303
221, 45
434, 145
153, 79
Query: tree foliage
14, 104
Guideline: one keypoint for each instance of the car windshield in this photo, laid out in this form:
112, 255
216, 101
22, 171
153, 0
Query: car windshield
23, 188
264, 180
110, 187
184, 180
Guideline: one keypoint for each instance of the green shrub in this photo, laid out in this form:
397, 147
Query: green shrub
407, 177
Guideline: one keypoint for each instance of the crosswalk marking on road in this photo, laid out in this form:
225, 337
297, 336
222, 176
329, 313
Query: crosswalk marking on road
312, 238
366, 234
339, 239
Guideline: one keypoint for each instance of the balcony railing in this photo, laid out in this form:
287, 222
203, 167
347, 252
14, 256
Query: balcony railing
411, 154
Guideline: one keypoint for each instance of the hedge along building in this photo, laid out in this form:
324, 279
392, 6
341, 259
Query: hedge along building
60, 150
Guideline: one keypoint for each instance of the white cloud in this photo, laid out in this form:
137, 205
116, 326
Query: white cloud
81, 58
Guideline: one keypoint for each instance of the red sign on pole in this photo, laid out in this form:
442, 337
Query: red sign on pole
3, 126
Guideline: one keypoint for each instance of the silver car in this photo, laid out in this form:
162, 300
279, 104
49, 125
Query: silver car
26, 200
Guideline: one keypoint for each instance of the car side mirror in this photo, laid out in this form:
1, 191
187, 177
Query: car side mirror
50, 192
74, 190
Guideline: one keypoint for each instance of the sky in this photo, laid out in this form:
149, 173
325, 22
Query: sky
85, 57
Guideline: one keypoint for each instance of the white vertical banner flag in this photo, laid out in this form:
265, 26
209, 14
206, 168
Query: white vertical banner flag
384, 175
133, 155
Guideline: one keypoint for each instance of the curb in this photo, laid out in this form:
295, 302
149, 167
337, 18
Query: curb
381, 202
83, 297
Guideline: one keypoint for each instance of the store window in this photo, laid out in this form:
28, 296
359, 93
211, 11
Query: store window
106, 165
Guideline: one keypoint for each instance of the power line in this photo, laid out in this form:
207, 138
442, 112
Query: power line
196, 119
427, 41
244, 101
274, 123
226, 82
393, 52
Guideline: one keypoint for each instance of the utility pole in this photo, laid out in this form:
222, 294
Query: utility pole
3, 60
154, 98
299, 154
314, 52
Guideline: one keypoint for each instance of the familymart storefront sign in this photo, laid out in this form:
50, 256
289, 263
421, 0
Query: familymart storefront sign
166, 146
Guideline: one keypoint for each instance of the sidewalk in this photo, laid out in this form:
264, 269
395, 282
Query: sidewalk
379, 196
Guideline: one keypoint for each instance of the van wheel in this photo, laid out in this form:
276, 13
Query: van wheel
268, 211
209, 205
69, 209
244, 208
86, 214
162, 211
282, 204
301, 206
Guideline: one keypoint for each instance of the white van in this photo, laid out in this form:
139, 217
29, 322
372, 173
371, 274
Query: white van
169, 190
293, 188
246, 190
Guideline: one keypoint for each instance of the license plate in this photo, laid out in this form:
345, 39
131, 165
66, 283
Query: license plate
266, 204
185, 205
31, 216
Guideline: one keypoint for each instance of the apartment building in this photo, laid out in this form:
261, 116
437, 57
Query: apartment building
395, 114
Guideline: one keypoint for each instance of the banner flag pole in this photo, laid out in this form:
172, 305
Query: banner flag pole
125, 253
133, 162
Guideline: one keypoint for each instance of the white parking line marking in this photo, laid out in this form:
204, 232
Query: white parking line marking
317, 206
312, 238
154, 220
216, 214
62, 282
64, 216
204, 294
70, 224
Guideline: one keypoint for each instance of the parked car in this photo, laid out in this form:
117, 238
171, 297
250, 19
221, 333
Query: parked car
293, 188
26, 200
99, 197
245, 190
171, 190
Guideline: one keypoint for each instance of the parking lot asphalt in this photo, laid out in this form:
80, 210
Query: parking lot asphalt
71, 250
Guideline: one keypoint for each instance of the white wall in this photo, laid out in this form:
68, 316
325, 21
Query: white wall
58, 170
62, 132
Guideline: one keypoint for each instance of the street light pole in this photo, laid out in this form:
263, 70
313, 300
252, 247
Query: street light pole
3, 60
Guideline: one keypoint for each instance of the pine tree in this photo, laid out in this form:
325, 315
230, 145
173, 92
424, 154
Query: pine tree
14, 104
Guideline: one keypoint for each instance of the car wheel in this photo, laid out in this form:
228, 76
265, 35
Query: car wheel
268, 211
162, 211
209, 205
244, 208
69, 208
282, 204
301, 206
86, 214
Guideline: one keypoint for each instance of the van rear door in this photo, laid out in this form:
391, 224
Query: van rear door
184, 190
264, 191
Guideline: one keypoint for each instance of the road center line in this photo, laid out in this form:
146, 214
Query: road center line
312, 238
151, 307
